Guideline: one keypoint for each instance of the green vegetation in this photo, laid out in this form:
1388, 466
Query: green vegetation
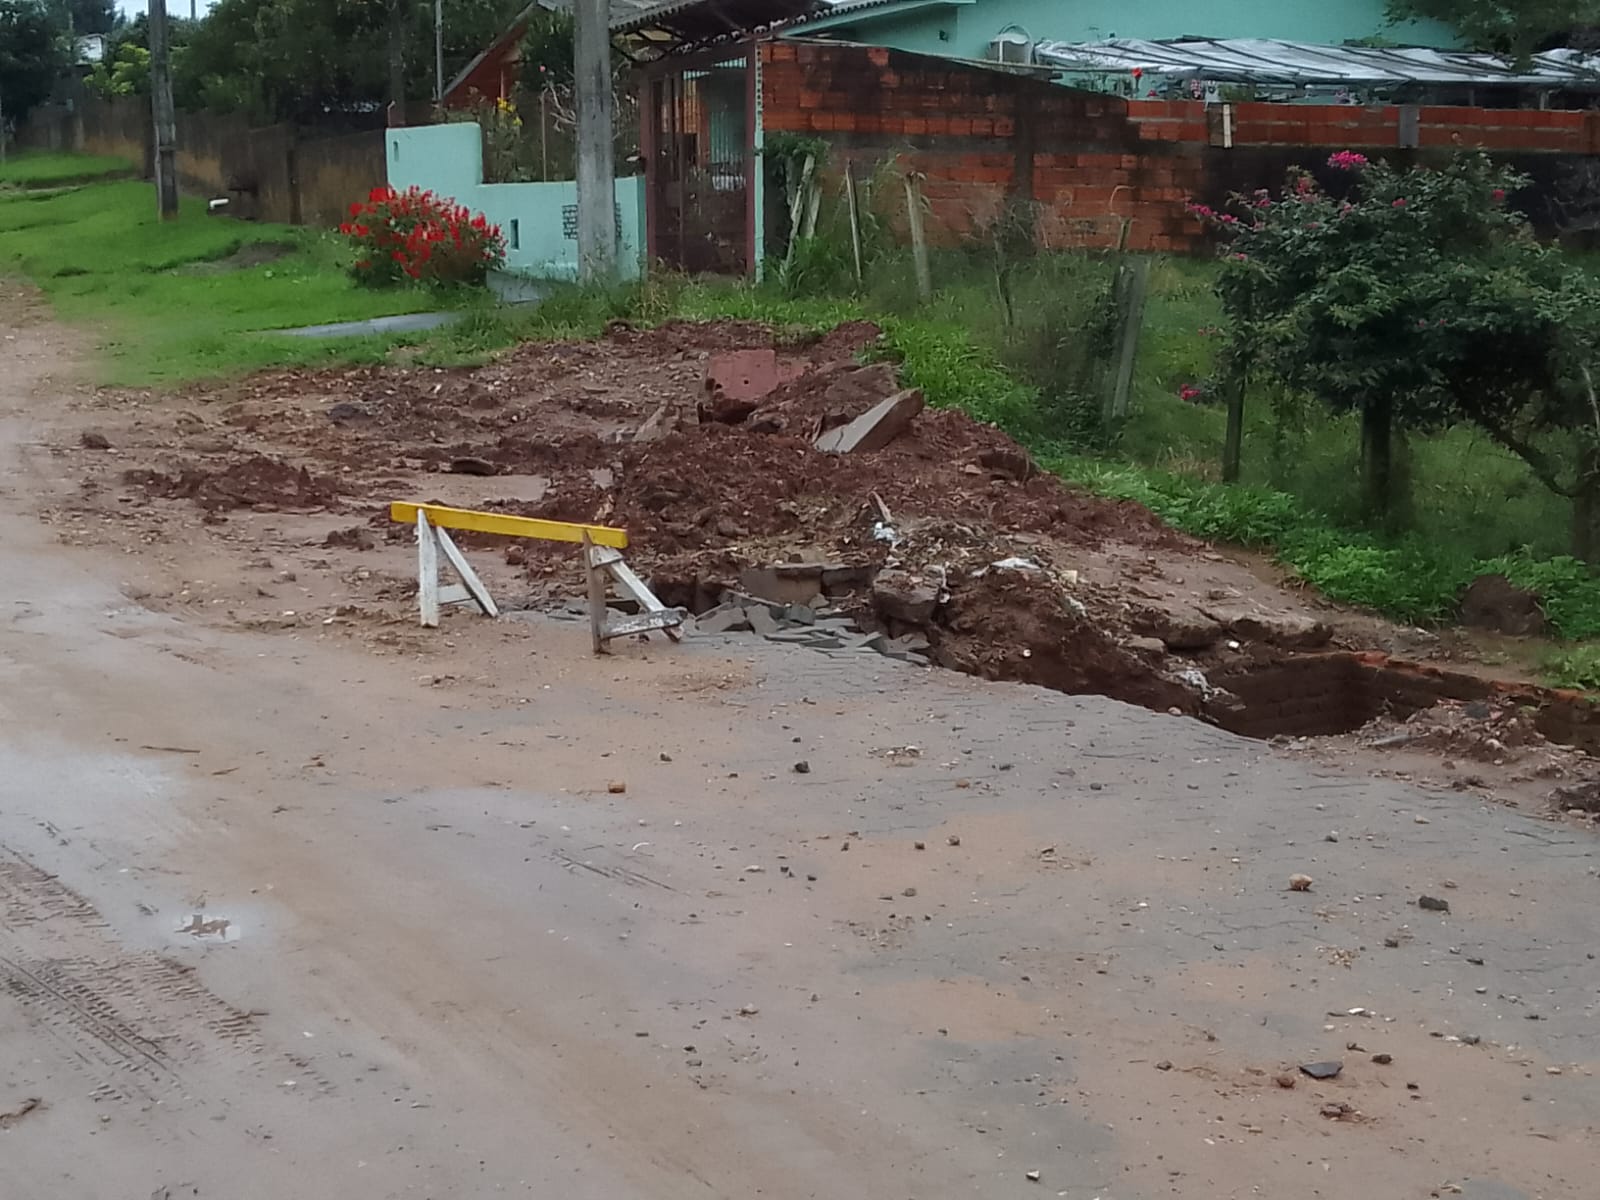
39, 168
1516, 27
166, 301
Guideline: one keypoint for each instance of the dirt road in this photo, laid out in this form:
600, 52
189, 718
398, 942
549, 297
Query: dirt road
280, 918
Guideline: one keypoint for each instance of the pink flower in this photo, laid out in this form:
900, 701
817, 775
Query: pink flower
1190, 393
1347, 160
1203, 211
1400, 203
1498, 195
1241, 258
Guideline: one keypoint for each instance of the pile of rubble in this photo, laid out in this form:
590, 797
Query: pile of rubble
816, 628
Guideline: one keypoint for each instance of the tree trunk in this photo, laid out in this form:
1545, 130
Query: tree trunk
397, 62
1586, 506
1377, 457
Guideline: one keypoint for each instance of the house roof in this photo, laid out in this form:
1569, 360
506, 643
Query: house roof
851, 12
666, 23
689, 21
1259, 60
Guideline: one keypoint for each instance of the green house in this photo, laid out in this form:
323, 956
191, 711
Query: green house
971, 28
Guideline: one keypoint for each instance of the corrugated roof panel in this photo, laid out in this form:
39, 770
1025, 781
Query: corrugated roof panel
1261, 60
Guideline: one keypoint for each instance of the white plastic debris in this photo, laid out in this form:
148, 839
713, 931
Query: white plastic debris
1015, 564
1196, 679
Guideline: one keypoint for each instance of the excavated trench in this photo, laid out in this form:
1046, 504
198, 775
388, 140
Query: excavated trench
1289, 693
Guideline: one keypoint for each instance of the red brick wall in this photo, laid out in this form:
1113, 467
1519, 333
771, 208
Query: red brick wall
977, 135
1090, 161
1338, 126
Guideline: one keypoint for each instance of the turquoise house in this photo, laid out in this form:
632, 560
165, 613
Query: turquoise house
967, 28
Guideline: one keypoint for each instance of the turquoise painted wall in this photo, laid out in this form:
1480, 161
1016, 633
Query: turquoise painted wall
448, 159
964, 28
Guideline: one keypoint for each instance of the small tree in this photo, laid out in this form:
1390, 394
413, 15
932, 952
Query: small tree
1515, 27
1417, 299
33, 53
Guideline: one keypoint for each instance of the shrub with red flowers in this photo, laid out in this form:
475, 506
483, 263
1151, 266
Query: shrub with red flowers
413, 235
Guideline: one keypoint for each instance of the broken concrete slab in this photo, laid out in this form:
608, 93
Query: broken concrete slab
1186, 628
900, 596
800, 614
1292, 631
723, 619
910, 643
405, 323
875, 428
747, 375
788, 583
761, 619
841, 580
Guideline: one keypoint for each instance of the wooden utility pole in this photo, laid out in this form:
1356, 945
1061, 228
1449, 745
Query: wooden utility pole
919, 237
166, 120
1233, 438
438, 51
397, 62
1131, 287
597, 197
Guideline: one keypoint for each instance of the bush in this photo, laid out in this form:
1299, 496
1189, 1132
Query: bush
1578, 667
415, 235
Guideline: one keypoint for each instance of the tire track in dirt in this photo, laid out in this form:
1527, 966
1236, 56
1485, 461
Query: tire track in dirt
141, 1027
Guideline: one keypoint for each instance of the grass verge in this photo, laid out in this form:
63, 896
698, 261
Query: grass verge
44, 168
186, 299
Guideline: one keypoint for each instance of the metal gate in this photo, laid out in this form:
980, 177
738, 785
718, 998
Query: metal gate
700, 167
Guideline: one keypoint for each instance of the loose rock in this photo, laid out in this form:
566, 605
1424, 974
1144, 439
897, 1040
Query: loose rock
1322, 1070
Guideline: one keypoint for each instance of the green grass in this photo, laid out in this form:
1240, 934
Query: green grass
1578, 667
106, 261
41, 168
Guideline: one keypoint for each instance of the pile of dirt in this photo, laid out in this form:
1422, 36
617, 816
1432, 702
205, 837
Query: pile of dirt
728, 481
253, 482
1021, 624
1487, 731
1495, 745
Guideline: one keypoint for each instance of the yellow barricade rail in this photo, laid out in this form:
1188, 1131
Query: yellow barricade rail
508, 526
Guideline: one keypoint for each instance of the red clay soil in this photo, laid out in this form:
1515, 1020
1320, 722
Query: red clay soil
253, 482
1019, 626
